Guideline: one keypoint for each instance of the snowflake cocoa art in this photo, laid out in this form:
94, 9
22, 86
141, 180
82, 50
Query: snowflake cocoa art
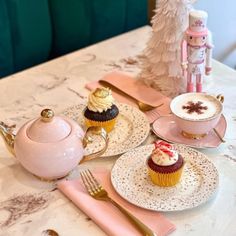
195, 107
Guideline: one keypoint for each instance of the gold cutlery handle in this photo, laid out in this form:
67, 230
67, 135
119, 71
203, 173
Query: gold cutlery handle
218, 135
136, 222
141, 105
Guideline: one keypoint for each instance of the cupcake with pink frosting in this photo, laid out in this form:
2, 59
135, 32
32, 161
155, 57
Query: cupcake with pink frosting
165, 165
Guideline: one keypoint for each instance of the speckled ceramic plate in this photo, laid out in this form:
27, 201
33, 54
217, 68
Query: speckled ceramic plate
199, 181
131, 129
166, 128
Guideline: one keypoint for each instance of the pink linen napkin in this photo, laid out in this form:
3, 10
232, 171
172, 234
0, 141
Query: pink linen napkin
107, 216
134, 87
137, 90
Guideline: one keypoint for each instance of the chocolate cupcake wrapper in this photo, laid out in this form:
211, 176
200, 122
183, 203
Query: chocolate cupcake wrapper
107, 125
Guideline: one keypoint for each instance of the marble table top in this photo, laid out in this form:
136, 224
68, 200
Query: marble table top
59, 84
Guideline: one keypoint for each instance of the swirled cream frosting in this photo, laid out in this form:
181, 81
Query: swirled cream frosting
164, 154
100, 100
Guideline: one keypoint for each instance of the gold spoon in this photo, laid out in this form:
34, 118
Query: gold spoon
145, 107
141, 105
49, 232
218, 135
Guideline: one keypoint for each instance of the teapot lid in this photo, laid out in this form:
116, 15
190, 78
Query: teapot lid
48, 128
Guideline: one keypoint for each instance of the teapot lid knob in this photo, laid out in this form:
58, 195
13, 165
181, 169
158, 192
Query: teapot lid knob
47, 115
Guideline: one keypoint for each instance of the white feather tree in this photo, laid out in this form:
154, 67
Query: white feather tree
161, 60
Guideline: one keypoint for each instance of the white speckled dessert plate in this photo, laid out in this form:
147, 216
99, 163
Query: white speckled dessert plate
166, 128
199, 181
131, 129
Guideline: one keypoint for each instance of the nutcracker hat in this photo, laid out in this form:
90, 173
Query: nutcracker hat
197, 23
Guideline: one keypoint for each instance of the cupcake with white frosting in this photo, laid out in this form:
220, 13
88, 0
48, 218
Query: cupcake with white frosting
165, 165
101, 109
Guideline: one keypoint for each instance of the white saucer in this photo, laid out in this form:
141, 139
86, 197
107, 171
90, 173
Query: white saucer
166, 128
199, 181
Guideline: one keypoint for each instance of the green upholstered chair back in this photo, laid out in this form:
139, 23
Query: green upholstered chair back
34, 31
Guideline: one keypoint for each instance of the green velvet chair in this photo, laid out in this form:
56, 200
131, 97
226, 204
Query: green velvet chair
34, 31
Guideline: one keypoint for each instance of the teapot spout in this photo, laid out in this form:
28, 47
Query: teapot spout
8, 136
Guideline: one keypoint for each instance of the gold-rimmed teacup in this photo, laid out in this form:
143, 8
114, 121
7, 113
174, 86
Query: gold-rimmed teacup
196, 113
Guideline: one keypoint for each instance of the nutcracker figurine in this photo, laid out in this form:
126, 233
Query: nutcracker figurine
196, 50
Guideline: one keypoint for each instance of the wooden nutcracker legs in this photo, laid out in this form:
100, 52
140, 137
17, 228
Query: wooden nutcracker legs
189, 83
199, 83
190, 86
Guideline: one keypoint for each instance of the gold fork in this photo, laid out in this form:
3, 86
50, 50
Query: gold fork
96, 190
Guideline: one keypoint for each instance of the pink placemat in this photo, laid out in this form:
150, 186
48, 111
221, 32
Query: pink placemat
137, 90
108, 217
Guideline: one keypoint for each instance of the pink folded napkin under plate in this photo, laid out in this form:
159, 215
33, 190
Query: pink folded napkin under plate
107, 216
137, 90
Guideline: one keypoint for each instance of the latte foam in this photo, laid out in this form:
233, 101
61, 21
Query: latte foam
196, 106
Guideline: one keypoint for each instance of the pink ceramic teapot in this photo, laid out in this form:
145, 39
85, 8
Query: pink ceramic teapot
50, 146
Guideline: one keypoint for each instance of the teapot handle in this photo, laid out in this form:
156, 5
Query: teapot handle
220, 97
87, 139
6, 132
